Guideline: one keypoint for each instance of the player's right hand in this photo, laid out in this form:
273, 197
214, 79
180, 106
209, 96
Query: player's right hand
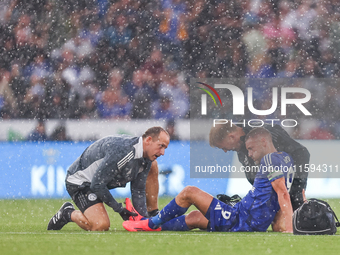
125, 214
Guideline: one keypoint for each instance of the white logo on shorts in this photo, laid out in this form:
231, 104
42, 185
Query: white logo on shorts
92, 197
218, 206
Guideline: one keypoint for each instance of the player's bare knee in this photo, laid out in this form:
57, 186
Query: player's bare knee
196, 219
187, 194
193, 217
195, 214
101, 226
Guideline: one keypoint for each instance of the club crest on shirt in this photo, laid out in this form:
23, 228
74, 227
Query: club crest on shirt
92, 197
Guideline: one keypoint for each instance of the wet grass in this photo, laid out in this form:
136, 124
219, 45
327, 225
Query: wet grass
23, 231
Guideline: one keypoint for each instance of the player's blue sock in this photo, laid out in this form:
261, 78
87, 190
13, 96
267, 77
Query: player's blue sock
170, 211
176, 224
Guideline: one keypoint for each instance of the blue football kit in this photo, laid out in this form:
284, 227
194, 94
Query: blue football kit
256, 211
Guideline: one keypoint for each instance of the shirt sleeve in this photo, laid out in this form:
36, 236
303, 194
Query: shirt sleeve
283, 141
106, 171
272, 167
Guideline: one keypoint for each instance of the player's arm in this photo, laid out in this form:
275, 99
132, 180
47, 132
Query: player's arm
105, 172
152, 188
283, 219
304, 196
138, 193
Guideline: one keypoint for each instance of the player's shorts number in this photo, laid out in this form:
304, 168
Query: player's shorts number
226, 214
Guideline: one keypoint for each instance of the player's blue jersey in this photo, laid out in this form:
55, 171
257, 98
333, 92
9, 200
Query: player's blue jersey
256, 211
259, 207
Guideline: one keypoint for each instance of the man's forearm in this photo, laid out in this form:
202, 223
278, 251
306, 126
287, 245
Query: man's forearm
152, 188
284, 221
105, 195
286, 211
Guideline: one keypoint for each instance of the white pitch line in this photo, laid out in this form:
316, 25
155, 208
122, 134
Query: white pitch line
251, 234
124, 233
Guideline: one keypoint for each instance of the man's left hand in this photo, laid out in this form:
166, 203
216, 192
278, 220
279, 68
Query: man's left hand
125, 214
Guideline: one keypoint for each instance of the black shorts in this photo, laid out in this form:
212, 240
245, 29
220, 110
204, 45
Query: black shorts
82, 196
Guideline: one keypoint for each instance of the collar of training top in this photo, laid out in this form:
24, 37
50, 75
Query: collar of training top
139, 148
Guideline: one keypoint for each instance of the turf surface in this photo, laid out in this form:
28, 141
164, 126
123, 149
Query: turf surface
23, 231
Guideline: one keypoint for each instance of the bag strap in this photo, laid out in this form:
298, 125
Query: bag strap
337, 224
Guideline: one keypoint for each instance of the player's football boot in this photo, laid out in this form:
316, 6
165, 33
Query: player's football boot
142, 225
234, 200
59, 220
130, 207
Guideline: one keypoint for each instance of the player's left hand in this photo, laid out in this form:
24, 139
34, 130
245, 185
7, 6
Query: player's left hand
125, 214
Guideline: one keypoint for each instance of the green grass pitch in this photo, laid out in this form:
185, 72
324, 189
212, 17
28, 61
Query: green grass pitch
23, 231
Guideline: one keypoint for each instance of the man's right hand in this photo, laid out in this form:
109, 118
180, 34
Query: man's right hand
125, 214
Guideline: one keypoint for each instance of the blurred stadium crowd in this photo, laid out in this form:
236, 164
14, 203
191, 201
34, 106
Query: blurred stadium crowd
88, 59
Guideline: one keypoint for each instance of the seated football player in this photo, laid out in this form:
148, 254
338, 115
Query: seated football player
231, 138
255, 212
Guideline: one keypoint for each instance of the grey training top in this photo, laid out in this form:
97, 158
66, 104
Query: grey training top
112, 162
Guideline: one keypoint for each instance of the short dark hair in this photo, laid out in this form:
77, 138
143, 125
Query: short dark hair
154, 132
258, 131
219, 132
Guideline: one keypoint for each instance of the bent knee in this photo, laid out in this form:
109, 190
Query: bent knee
188, 190
100, 226
197, 215
196, 219
187, 194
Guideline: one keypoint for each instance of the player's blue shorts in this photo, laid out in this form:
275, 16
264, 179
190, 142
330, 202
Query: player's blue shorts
225, 218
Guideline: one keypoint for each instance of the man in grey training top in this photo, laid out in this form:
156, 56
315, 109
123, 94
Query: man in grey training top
109, 163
